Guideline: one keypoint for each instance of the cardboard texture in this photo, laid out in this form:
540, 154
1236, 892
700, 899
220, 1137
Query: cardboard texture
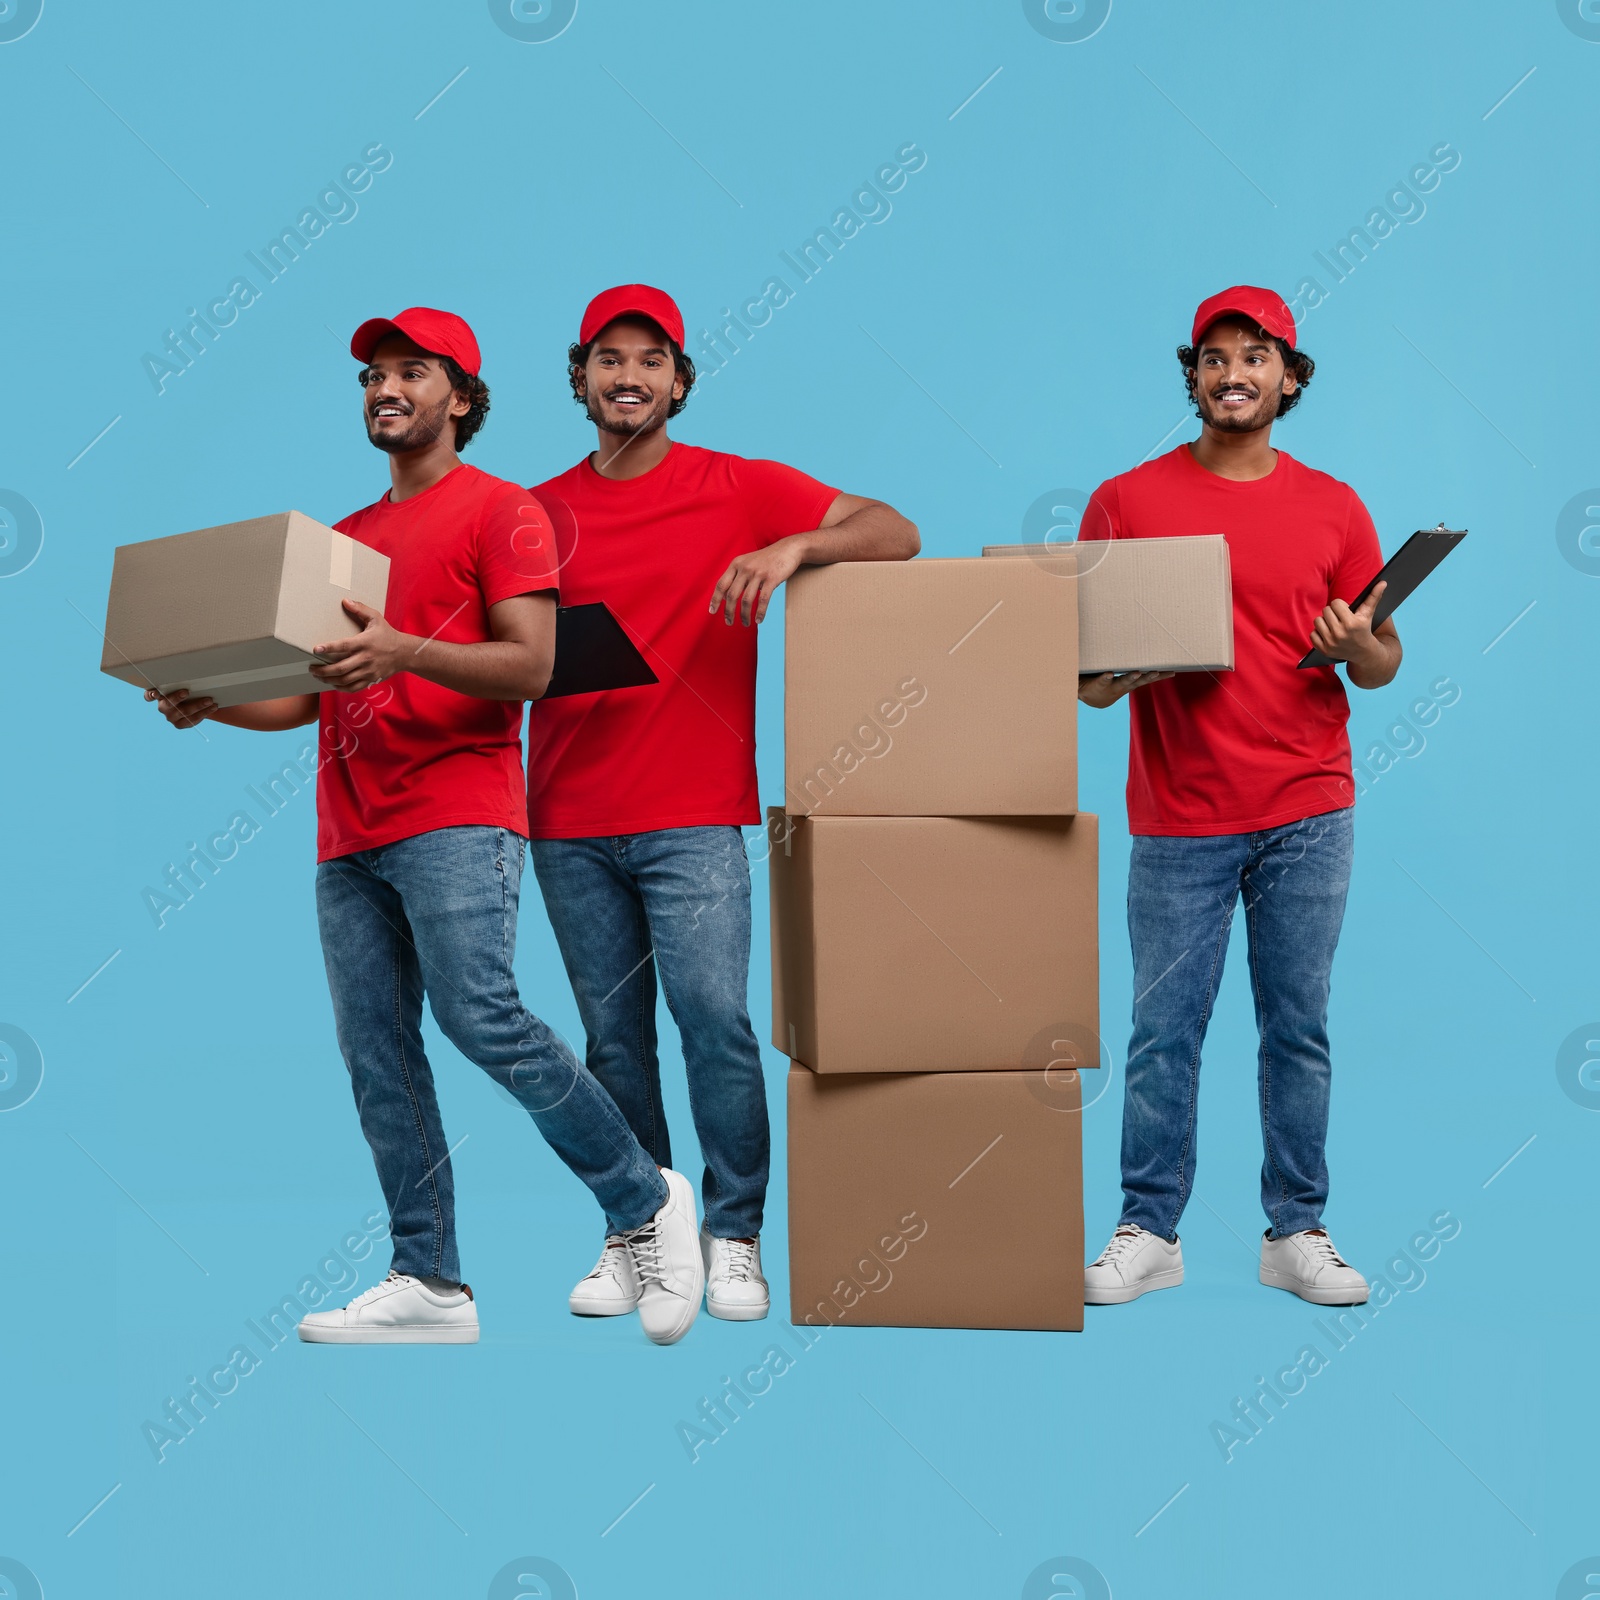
233, 612
930, 688
1144, 605
936, 1200
935, 944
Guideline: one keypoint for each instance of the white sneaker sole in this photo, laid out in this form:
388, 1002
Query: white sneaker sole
723, 1312
430, 1334
1132, 1291
582, 1306
1317, 1297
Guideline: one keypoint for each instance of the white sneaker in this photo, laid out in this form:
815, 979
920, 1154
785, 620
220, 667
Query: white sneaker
666, 1258
612, 1288
735, 1289
400, 1310
1306, 1264
1134, 1262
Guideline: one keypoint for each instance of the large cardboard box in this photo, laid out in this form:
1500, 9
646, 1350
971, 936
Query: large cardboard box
930, 688
935, 944
234, 612
1144, 605
936, 1200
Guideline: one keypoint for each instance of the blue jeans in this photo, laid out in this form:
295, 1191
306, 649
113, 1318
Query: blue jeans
682, 897
1181, 898
436, 914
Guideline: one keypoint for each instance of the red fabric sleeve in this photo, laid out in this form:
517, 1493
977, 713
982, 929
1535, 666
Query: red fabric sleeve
1102, 516
781, 500
516, 546
1362, 557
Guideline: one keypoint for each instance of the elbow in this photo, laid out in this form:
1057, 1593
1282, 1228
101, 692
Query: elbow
910, 540
540, 671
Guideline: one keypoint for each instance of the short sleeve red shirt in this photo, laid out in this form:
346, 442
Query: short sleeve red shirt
1265, 744
407, 756
679, 753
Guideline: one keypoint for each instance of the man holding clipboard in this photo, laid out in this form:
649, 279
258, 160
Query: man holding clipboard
636, 798
1240, 785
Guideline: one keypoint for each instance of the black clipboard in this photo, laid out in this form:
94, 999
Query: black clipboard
1403, 572
593, 653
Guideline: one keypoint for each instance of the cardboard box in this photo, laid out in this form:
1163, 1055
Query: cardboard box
935, 944
936, 1200
930, 688
233, 612
1145, 605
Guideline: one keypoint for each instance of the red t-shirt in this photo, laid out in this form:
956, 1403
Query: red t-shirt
679, 753
407, 756
1265, 744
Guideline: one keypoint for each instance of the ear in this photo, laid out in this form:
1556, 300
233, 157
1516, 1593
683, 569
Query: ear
460, 405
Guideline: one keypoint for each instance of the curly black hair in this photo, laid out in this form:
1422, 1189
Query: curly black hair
477, 395
464, 383
683, 366
1296, 363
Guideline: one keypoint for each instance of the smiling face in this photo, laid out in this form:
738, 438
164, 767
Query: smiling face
1239, 377
629, 379
408, 400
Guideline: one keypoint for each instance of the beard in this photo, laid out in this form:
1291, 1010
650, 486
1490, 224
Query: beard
1251, 420
424, 428
646, 420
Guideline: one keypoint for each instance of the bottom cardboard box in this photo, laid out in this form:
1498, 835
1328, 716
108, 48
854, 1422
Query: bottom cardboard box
936, 1200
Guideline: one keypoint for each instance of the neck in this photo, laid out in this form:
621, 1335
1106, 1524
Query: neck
629, 455
411, 472
1240, 456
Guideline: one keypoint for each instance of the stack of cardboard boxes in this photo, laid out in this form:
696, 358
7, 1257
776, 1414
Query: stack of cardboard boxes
935, 963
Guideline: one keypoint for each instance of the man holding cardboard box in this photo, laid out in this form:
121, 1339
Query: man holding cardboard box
421, 822
1241, 785
636, 799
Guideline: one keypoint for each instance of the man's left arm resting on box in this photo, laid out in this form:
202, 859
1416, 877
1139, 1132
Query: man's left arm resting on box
515, 664
853, 529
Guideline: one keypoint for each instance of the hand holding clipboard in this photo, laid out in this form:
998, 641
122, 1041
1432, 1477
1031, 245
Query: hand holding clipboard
1401, 574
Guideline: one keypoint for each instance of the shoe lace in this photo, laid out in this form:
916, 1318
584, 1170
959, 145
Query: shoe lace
1122, 1241
647, 1248
377, 1288
740, 1260
607, 1266
1321, 1247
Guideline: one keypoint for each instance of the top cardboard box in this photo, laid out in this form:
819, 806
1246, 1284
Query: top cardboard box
1145, 605
931, 688
234, 612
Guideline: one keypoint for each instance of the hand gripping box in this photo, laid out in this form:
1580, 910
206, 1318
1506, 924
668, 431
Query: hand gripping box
935, 944
1144, 605
930, 688
936, 1200
234, 612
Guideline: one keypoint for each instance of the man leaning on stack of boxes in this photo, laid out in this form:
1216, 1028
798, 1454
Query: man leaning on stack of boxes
934, 886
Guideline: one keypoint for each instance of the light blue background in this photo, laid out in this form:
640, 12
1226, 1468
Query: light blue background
192, 1151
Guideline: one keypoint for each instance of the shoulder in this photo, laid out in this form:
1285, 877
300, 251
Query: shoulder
562, 486
1333, 497
1156, 474
356, 519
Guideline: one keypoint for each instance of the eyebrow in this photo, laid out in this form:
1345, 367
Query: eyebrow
616, 350
1217, 349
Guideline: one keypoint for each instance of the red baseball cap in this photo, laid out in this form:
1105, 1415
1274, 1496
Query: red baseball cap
639, 299
440, 333
1266, 308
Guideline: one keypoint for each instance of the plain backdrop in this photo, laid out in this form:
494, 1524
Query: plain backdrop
998, 339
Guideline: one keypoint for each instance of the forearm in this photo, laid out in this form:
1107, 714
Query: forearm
496, 669
1378, 666
874, 533
269, 716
